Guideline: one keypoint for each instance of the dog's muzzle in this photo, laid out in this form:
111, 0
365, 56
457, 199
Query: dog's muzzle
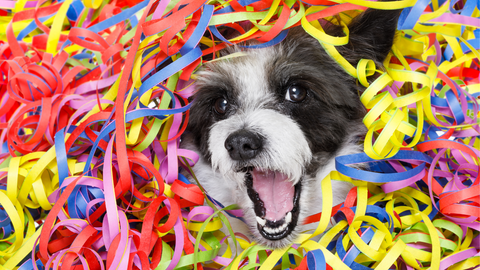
273, 193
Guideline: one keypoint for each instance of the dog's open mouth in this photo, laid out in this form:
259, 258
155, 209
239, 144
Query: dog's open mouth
275, 201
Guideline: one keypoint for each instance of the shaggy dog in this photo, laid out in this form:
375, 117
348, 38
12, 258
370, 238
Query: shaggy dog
268, 125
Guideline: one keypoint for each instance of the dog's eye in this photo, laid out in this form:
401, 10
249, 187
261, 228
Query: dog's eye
295, 93
220, 106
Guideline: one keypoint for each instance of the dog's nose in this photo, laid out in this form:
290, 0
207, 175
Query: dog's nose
243, 145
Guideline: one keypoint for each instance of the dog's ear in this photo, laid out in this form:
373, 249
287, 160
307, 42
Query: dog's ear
371, 35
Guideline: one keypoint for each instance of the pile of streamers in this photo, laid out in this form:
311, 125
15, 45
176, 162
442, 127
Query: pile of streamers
89, 170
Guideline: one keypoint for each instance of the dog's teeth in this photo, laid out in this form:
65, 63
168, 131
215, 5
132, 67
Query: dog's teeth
275, 230
268, 230
288, 218
261, 221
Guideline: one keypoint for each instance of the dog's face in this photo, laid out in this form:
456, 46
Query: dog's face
270, 120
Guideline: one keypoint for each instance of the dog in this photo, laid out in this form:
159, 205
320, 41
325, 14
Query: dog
268, 125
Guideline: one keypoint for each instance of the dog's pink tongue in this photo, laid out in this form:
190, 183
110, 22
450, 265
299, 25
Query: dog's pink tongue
275, 191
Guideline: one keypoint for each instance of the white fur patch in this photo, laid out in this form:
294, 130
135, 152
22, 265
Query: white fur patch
285, 147
228, 192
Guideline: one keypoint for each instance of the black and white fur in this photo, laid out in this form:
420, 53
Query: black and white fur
290, 110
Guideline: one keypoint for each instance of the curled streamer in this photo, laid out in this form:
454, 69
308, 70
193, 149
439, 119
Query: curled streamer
94, 97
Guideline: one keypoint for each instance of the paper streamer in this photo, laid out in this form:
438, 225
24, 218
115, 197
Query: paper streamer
94, 98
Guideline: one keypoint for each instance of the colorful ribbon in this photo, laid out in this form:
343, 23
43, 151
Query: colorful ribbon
94, 98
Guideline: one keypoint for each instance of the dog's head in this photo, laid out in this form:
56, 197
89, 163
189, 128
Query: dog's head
271, 119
